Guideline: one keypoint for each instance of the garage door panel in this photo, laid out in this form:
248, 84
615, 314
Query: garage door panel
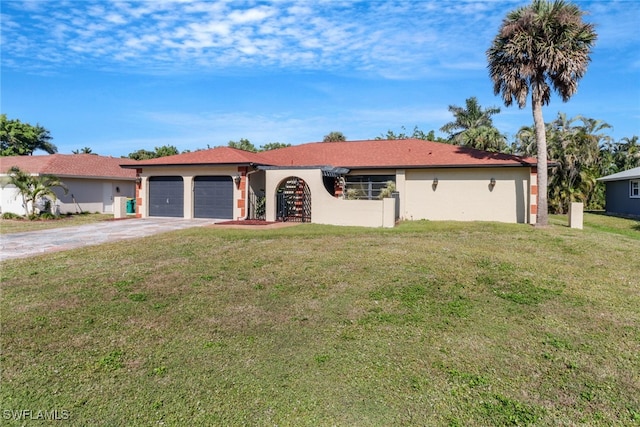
166, 196
213, 197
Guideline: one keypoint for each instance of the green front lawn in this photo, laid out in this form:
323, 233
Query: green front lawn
430, 323
21, 225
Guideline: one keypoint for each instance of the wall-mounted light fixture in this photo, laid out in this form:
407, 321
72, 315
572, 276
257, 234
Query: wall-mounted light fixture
492, 183
435, 184
138, 180
236, 179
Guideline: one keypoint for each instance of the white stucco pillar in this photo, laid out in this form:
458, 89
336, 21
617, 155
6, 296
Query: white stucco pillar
576, 215
389, 212
188, 196
401, 181
119, 207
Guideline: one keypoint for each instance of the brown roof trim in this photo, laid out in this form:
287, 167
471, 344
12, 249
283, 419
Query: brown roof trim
140, 166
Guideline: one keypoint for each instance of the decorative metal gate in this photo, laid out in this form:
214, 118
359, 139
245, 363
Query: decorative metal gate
293, 201
257, 204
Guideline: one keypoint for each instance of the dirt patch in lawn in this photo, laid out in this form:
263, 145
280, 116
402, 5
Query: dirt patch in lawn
254, 223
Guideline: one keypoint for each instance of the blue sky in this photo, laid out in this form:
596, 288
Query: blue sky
118, 76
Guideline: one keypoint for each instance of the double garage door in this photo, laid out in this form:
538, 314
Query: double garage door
212, 196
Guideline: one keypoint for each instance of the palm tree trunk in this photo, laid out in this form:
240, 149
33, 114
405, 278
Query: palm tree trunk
542, 217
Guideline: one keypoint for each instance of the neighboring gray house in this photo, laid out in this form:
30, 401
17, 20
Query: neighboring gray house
623, 192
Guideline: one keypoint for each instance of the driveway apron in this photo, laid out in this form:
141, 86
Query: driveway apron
22, 245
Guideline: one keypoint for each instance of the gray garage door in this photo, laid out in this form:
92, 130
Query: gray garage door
166, 196
213, 197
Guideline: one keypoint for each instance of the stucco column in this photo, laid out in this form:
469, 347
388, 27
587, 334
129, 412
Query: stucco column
400, 188
142, 197
188, 196
270, 195
533, 195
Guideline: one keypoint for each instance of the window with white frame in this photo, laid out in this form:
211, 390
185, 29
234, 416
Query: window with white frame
366, 187
634, 188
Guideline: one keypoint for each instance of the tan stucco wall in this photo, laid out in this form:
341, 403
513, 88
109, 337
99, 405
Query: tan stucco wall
187, 174
466, 194
461, 194
325, 208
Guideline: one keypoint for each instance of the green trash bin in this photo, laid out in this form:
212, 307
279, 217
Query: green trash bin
131, 206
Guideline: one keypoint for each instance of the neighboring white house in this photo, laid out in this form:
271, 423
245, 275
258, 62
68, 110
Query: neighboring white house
93, 181
340, 183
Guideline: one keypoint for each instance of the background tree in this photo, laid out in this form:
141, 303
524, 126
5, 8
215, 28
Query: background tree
22, 139
166, 150
163, 151
575, 149
142, 154
84, 150
33, 188
473, 127
626, 154
273, 146
431, 136
334, 137
416, 134
538, 47
243, 144
486, 138
581, 152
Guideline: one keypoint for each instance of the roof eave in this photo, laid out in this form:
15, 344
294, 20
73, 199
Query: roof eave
115, 178
139, 166
441, 166
626, 178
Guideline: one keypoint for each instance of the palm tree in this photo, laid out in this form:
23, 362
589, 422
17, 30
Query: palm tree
577, 154
485, 138
33, 188
525, 142
84, 150
539, 47
627, 152
42, 141
473, 127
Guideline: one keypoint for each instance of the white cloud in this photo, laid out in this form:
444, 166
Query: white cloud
251, 15
396, 39
115, 18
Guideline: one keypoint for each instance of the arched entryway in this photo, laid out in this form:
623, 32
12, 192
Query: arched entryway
293, 200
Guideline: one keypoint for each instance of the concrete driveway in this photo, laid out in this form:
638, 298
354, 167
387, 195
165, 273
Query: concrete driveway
22, 245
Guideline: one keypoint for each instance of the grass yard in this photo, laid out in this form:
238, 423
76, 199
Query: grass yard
430, 323
21, 225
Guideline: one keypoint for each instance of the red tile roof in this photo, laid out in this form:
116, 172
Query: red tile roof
218, 155
405, 153
410, 153
69, 165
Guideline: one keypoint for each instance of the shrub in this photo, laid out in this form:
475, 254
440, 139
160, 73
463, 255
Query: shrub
11, 215
47, 215
388, 190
